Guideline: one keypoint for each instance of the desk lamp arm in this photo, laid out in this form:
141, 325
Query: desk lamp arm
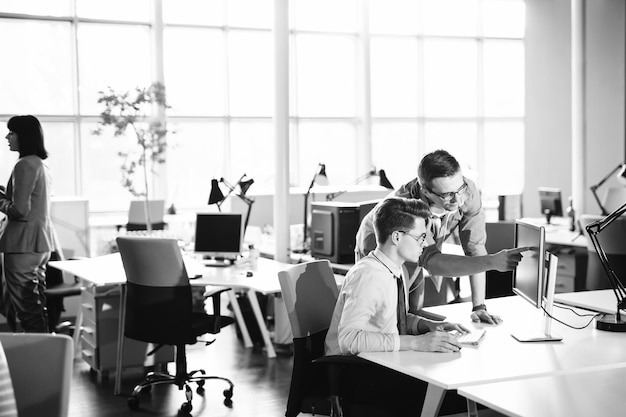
370, 173
595, 187
594, 229
231, 188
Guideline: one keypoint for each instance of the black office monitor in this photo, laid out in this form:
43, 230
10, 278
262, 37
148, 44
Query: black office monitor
219, 236
534, 278
551, 202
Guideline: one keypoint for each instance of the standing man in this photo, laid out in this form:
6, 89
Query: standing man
455, 204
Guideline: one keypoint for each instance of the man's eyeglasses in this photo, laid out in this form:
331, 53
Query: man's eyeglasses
419, 239
447, 197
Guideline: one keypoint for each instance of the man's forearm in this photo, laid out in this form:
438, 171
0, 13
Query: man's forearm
478, 285
458, 266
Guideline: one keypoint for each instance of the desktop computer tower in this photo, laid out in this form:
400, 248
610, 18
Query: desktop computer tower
333, 229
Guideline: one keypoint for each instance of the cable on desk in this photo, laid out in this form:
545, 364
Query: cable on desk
593, 316
566, 307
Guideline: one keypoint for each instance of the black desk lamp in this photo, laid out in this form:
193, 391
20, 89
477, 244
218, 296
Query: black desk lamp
320, 178
218, 198
383, 181
621, 176
610, 322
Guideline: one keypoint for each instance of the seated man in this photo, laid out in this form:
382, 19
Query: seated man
454, 201
371, 315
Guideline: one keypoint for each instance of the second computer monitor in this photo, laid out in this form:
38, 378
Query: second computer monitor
534, 280
219, 235
551, 202
528, 276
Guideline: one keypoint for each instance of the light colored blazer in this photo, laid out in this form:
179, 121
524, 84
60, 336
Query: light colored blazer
27, 206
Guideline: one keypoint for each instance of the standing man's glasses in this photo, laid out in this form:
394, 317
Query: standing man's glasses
419, 239
449, 196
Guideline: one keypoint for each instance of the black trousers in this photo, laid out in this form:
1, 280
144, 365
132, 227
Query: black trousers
25, 276
373, 390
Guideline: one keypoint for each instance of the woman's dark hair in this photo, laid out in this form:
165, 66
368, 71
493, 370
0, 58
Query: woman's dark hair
29, 135
398, 213
436, 164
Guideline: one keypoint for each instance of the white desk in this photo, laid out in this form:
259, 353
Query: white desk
500, 357
582, 394
557, 232
602, 301
108, 270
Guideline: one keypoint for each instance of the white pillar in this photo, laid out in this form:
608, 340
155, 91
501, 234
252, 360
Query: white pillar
281, 129
578, 106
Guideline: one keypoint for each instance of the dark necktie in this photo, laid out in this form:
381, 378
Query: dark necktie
401, 307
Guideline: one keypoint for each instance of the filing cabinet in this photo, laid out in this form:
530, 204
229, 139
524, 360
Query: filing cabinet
100, 308
571, 270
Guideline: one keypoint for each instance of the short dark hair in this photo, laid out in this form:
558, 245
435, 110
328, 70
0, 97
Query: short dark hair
29, 135
397, 213
436, 164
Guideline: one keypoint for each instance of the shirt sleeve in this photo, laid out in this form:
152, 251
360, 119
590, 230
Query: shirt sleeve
472, 232
23, 183
411, 322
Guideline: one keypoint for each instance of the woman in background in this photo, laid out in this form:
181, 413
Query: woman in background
27, 240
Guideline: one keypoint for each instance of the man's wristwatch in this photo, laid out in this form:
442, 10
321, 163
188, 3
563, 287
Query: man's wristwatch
479, 307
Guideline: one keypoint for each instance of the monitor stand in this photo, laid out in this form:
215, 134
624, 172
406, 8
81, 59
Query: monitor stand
545, 336
548, 215
217, 262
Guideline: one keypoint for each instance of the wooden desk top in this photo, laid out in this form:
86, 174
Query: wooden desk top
588, 393
500, 357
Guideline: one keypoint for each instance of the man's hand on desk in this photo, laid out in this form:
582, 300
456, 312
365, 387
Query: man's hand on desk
482, 316
437, 339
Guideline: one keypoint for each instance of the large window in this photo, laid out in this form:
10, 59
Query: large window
372, 83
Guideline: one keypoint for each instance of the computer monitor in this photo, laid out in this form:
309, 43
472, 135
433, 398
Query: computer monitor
551, 202
219, 236
534, 278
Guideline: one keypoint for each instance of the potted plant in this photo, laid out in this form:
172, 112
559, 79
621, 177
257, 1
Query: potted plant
140, 110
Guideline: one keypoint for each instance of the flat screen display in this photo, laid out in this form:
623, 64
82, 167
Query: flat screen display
528, 276
551, 202
219, 235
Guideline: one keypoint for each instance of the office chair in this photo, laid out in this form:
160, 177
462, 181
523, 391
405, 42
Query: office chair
613, 241
41, 367
310, 294
137, 215
56, 292
158, 309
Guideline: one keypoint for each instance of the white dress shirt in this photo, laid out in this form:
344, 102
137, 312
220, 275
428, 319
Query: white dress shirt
365, 316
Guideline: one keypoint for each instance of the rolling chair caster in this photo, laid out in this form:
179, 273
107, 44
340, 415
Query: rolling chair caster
185, 409
133, 403
228, 394
200, 389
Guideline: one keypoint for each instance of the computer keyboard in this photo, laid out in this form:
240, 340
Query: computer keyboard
472, 338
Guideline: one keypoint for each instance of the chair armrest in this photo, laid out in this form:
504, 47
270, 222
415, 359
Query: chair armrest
215, 293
